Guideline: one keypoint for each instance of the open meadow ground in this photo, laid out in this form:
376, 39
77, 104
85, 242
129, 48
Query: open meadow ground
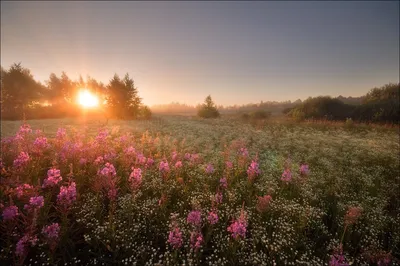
187, 191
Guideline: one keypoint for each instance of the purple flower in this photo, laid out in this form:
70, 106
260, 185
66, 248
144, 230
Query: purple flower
175, 238
10, 213
40, 143
52, 231
218, 197
286, 176
253, 170
229, 165
164, 167
187, 156
53, 177
136, 176
149, 162
174, 155
99, 160
209, 169
36, 202
61, 133
22, 159
223, 183
130, 150
21, 246
20, 190
178, 164
212, 217
67, 195
304, 169
196, 239
244, 152
194, 217
108, 170
238, 229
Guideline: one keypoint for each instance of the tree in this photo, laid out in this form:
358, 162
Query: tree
122, 97
19, 90
208, 109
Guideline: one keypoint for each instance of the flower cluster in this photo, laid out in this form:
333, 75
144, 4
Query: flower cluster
67, 195
253, 170
194, 218
22, 159
53, 177
10, 213
286, 176
263, 203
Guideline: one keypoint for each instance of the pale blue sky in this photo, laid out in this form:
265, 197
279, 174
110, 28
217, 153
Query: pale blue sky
239, 52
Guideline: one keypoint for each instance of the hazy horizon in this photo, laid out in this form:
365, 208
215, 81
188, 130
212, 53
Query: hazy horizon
238, 52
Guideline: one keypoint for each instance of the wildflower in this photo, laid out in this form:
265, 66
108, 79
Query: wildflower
164, 167
20, 190
175, 238
209, 169
352, 215
229, 165
82, 161
149, 162
212, 217
25, 128
67, 195
237, 229
130, 150
135, 177
36, 202
10, 213
51, 231
99, 160
40, 143
223, 183
21, 246
141, 159
286, 176
53, 177
22, 159
178, 164
187, 156
194, 218
108, 170
304, 169
338, 258
263, 203
196, 239
218, 197
174, 155
243, 152
61, 133
253, 170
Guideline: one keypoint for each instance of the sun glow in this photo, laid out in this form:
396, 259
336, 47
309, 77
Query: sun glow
87, 99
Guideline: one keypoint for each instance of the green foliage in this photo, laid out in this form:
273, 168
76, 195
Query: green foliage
144, 112
208, 109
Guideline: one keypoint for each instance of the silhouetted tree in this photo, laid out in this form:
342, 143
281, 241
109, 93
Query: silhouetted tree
208, 109
122, 97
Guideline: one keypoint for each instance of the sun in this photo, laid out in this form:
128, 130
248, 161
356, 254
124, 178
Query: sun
87, 99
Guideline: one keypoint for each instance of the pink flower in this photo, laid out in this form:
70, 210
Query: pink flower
22, 159
304, 169
36, 202
112, 193
237, 229
53, 177
99, 160
175, 238
21, 246
352, 215
178, 164
263, 203
209, 169
338, 258
141, 159
164, 167
61, 133
253, 170
130, 151
149, 162
108, 170
212, 217
286, 176
218, 197
174, 155
52, 231
194, 218
10, 213
244, 152
229, 165
187, 156
196, 239
20, 190
135, 178
223, 183
67, 195
40, 143
82, 161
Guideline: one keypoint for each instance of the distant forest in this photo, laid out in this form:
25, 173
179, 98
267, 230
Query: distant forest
24, 97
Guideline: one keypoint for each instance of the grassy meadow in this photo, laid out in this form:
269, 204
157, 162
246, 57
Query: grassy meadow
179, 190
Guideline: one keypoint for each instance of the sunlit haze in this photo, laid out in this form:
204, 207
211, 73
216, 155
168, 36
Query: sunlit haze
87, 99
239, 52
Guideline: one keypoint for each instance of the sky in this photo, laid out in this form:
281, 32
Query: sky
182, 51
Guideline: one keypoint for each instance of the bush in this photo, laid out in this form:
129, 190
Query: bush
144, 112
208, 109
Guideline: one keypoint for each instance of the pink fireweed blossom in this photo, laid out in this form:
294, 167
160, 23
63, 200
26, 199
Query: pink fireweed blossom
237, 229
99, 160
263, 203
10, 213
286, 176
212, 217
253, 170
209, 169
174, 155
61, 133
229, 165
35, 202
130, 151
218, 197
304, 169
194, 158
22, 189
24, 129
194, 218
164, 167
21, 247
178, 164
244, 152
110, 156
40, 143
141, 159
196, 239
108, 170
22, 160
135, 178
175, 238
338, 258
53, 177
82, 161
67, 195
52, 231
187, 156
149, 162
352, 215
223, 183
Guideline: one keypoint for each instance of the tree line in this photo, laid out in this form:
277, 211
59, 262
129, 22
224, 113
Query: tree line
22, 97
379, 105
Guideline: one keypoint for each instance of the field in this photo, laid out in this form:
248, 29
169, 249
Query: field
186, 191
